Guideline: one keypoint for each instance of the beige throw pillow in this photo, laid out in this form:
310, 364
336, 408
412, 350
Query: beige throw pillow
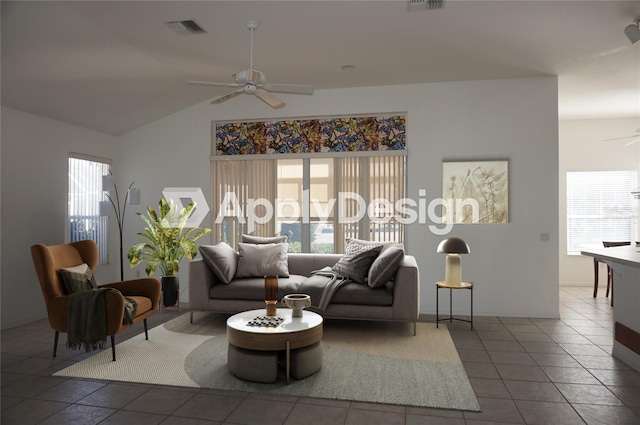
78, 278
263, 240
259, 260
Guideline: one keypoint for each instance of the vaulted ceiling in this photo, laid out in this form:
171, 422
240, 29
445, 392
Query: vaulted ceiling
113, 66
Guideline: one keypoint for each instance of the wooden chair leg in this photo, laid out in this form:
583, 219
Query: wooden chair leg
612, 289
55, 343
113, 347
595, 278
609, 280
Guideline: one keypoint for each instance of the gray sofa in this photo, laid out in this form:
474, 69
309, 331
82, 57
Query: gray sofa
398, 300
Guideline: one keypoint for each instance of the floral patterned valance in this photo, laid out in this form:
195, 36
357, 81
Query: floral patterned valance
344, 134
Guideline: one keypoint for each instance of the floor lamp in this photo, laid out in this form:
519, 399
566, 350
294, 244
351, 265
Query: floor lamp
107, 208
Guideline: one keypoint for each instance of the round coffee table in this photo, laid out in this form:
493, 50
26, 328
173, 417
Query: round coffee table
291, 333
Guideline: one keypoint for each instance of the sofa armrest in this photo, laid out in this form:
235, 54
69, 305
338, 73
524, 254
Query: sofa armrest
201, 280
406, 291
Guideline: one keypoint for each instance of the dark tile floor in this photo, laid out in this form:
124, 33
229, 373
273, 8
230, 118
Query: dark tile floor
524, 371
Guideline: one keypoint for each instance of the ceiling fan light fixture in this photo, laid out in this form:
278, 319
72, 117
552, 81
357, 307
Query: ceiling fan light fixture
253, 82
633, 31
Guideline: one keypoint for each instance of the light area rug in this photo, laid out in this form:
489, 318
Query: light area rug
378, 362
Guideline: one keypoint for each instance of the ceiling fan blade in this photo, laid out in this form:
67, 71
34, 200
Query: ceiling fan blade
269, 99
227, 96
289, 88
209, 83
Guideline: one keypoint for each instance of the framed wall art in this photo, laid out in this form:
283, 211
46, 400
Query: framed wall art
475, 192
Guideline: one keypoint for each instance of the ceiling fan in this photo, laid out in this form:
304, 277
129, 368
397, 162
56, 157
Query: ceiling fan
634, 138
252, 81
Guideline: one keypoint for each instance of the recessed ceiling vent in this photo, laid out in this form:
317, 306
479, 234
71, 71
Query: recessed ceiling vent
185, 27
425, 4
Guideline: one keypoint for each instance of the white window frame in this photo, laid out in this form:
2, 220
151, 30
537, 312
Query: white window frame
83, 201
600, 208
248, 178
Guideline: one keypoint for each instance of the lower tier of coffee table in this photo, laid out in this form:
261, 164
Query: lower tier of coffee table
262, 366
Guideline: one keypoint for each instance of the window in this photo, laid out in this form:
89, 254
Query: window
600, 208
85, 194
316, 201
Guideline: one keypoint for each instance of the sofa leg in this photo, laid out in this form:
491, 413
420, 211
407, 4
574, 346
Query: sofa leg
191, 320
146, 333
113, 347
414, 328
55, 343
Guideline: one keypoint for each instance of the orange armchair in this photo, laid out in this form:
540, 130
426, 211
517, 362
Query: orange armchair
49, 259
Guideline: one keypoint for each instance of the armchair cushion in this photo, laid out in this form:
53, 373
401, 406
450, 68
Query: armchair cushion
78, 279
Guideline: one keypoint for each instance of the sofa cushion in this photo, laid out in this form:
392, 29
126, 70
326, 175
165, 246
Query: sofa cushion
385, 266
262, 260
249, 288
221, 259
262, 240
78, 279
357, 259
354, 293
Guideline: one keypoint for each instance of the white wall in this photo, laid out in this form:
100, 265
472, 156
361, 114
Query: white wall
582, 149
515, 273
34, 170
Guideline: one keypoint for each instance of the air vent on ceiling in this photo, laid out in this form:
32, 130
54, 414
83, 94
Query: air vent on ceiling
185, 27
425, 4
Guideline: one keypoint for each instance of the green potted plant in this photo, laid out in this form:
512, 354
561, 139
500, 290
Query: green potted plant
167, 242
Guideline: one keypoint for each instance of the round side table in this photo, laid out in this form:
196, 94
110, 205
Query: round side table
444, 285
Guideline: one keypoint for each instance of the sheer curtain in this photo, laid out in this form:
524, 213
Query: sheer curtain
233, 184
374, 178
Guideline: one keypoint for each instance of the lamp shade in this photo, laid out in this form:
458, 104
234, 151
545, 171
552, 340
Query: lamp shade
133, 196
453, 246
108, 183
106, 209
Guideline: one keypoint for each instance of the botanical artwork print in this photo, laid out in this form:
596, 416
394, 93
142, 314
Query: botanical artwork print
345, 134
476, 192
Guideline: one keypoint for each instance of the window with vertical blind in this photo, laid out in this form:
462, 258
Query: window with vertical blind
305, 194
600, 207
85, 194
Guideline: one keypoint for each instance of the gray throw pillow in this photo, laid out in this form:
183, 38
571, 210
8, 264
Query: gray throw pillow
221, 259
78, 279
384, 267
358, 257
259, 260
263, 240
